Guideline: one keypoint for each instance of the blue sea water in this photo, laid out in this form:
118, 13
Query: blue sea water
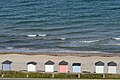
60, 25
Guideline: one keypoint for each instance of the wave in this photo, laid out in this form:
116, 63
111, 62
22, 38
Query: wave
115, 38
111, 44
80, 32
62, 28
42, 35
47, 29
25, 4
12, 49
63, 38
32, 35
90, 41
9, 47
37, 35
30, 21
113, 8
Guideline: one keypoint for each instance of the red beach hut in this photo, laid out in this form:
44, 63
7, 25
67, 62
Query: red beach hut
63, 67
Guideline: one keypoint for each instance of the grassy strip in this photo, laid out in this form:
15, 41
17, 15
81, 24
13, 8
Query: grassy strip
91, 76
13, 74
112, 76
18, 74
39, 75
66, 76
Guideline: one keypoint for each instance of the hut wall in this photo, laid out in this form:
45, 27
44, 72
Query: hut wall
76, 69
49, 68
99, 69
6, 67
31, 68
111, 69
63, 68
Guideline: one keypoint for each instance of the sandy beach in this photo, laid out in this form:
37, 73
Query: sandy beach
87, 60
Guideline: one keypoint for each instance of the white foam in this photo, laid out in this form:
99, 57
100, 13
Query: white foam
111, 44
89, 41
42, 35
32, 35
63, 38
9, 47
116, 38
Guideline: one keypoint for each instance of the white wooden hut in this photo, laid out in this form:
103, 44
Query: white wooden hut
112, 67
99, 67
49, 66
31, 66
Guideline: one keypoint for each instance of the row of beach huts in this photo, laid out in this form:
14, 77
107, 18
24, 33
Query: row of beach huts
62, 66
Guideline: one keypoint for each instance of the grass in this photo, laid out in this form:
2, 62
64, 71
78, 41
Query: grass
19, 74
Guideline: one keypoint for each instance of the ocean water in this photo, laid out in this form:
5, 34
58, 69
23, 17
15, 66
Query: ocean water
60, 25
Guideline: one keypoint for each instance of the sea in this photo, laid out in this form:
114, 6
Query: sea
60, 26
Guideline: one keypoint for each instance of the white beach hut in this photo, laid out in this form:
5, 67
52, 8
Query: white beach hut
112, 67
99, 67
31, 66
49, 66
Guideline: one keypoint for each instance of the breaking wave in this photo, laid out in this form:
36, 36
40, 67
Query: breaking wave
115, 38
90, 41
37, 35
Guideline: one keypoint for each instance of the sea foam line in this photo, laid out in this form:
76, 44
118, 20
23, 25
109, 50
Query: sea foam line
115, 38
37, 35
90, 41
111, 44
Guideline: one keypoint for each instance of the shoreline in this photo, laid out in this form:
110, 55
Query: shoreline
90, 54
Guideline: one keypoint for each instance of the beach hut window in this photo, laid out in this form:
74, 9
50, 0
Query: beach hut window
112, 67
31, 66
6, 65
49, 66
76, 67
99, 67
63, 67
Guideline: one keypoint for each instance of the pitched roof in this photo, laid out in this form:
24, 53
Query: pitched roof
99, 63
63, 63
7, 62
49, 62
32, 62
112, 63
76, 64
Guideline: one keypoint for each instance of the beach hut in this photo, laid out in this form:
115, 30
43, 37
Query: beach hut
6, 65
31, 66
112, 67
76, 67
49, 66
99, 67
63, 67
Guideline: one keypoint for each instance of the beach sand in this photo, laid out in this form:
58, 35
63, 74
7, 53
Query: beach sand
87, 60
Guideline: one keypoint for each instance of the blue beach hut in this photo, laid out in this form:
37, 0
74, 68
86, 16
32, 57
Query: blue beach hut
76, 67
6, 65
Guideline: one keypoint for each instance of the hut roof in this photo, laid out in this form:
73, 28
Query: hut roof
76, 64
7, 62
32, 62
63, 63
49, 62
112, 63
99, 63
